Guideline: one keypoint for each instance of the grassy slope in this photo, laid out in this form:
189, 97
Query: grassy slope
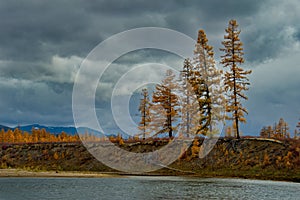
245, 158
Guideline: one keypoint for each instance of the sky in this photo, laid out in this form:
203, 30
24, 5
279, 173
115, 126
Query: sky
43, 44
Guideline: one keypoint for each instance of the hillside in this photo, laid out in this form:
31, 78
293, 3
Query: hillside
70, 130
247, 158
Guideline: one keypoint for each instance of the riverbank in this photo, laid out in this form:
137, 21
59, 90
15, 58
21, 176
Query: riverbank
21, 173
54, 174
244, 158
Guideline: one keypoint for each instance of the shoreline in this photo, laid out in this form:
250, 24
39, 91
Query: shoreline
22, 173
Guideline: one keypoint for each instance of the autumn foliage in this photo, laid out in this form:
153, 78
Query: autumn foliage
236, 81
36, 135
145, 113
280, 130
166, 104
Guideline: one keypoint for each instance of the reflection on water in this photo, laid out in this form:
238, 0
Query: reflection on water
141, 187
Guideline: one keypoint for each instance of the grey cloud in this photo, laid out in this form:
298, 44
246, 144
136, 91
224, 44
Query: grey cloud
26, 102
272, 30
60, 88
60, 70
298, 34
132, 59
267, 44
35, 30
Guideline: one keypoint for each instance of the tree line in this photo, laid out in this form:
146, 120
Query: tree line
280, 130
42, 136
196, 102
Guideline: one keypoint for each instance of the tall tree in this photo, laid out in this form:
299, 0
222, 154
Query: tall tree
165, 100
281, 129
9, 136
145, 113
235, 80
264, 132
203, 95
270, 132
188, 100
18, 135
213, 99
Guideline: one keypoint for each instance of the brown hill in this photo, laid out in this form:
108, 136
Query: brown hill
247, 158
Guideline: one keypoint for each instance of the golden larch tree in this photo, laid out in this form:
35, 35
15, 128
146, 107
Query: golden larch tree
201, 118
144, 109
9, 136
281, 129
18, 135
213, 94
235, 79
189, 105
264, 132
166, 105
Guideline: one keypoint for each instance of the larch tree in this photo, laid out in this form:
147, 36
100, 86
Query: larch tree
264, 132
228, 131
201, 116
203, 108
213, 98
270, 132
235, 79
189, 105
9, 136
281, 129
145, 113
18, 135
166, 105
2, 135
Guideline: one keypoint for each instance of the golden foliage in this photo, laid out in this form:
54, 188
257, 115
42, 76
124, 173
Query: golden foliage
37, 135
235, 80
144, 109
279, 131
202, 93
55, 156
195, 148
266, 160
166, 105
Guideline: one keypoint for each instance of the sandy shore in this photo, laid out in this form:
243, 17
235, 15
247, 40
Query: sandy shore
25, 173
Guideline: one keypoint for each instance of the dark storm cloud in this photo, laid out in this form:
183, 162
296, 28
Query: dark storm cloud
269, 42
60, 70
35, 30
27, 102
272, 30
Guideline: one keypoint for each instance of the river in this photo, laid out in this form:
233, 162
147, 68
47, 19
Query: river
141, 187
